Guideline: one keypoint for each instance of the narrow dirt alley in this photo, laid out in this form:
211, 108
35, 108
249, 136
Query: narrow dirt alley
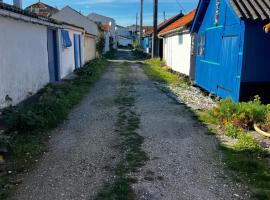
126, 121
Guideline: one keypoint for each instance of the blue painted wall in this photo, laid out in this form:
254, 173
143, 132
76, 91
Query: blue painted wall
257, 54
219, 69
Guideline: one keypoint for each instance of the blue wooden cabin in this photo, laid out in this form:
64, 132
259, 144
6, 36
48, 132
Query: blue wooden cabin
233, 54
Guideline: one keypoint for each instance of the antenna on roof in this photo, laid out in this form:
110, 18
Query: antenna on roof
164, 15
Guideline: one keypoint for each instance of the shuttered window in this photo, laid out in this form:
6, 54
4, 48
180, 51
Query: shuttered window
66, 41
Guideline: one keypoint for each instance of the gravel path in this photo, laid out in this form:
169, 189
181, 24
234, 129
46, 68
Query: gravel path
185, 163
80, 150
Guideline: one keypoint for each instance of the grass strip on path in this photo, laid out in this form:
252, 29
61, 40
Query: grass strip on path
28, 124
133, 157
246, 159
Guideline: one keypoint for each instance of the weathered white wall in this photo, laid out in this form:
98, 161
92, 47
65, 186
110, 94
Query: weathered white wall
89, 48
66, 56
176, 55
124, 41
23, 59
122, 31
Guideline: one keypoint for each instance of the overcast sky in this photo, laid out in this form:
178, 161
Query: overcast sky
123, 11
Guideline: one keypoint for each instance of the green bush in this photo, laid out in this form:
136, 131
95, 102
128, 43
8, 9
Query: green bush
233, 131
243, 114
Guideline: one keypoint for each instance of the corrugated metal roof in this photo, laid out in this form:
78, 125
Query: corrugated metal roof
252, 9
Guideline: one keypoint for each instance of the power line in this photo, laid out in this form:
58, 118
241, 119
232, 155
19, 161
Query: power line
180, 5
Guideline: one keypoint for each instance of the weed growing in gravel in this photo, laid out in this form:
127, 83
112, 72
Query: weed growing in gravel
157, 71
133, 156
28, 124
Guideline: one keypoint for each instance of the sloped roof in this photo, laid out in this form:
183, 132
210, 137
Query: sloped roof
164, 24
183, 21
252, 9
245, 9
16, 10
42, 5
73, 17
267, 28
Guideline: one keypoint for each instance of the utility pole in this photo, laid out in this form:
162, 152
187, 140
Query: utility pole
141, 24
136, 28
155, 32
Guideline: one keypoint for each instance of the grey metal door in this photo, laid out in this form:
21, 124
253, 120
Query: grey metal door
52, 56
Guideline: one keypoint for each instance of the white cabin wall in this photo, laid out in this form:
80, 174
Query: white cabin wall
24, 64
67, 58
176, 55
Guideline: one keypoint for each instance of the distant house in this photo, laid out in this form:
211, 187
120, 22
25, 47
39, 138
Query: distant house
149, 34
124, 37
177, 44
42, 9
29, 53
135, 31
106, 21
232, 48
107, 35
87, 38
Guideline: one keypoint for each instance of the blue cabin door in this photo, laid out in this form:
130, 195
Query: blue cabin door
52, 55
229, 81
77, 50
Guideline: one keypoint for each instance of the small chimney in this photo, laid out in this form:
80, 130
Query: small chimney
17, 3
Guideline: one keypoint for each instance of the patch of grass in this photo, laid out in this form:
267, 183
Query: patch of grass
133, 157
247, 144
157, 71
250, 169
28, 124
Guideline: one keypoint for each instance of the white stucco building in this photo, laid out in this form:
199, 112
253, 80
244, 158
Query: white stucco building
71, 16
123, 36
26, 61
177, 44
106, 21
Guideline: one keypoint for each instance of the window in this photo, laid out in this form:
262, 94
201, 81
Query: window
66, 42
201, 45
180, 39
217, 12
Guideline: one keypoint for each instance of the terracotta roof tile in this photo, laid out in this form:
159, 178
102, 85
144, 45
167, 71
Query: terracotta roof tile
164, 23
183, 21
